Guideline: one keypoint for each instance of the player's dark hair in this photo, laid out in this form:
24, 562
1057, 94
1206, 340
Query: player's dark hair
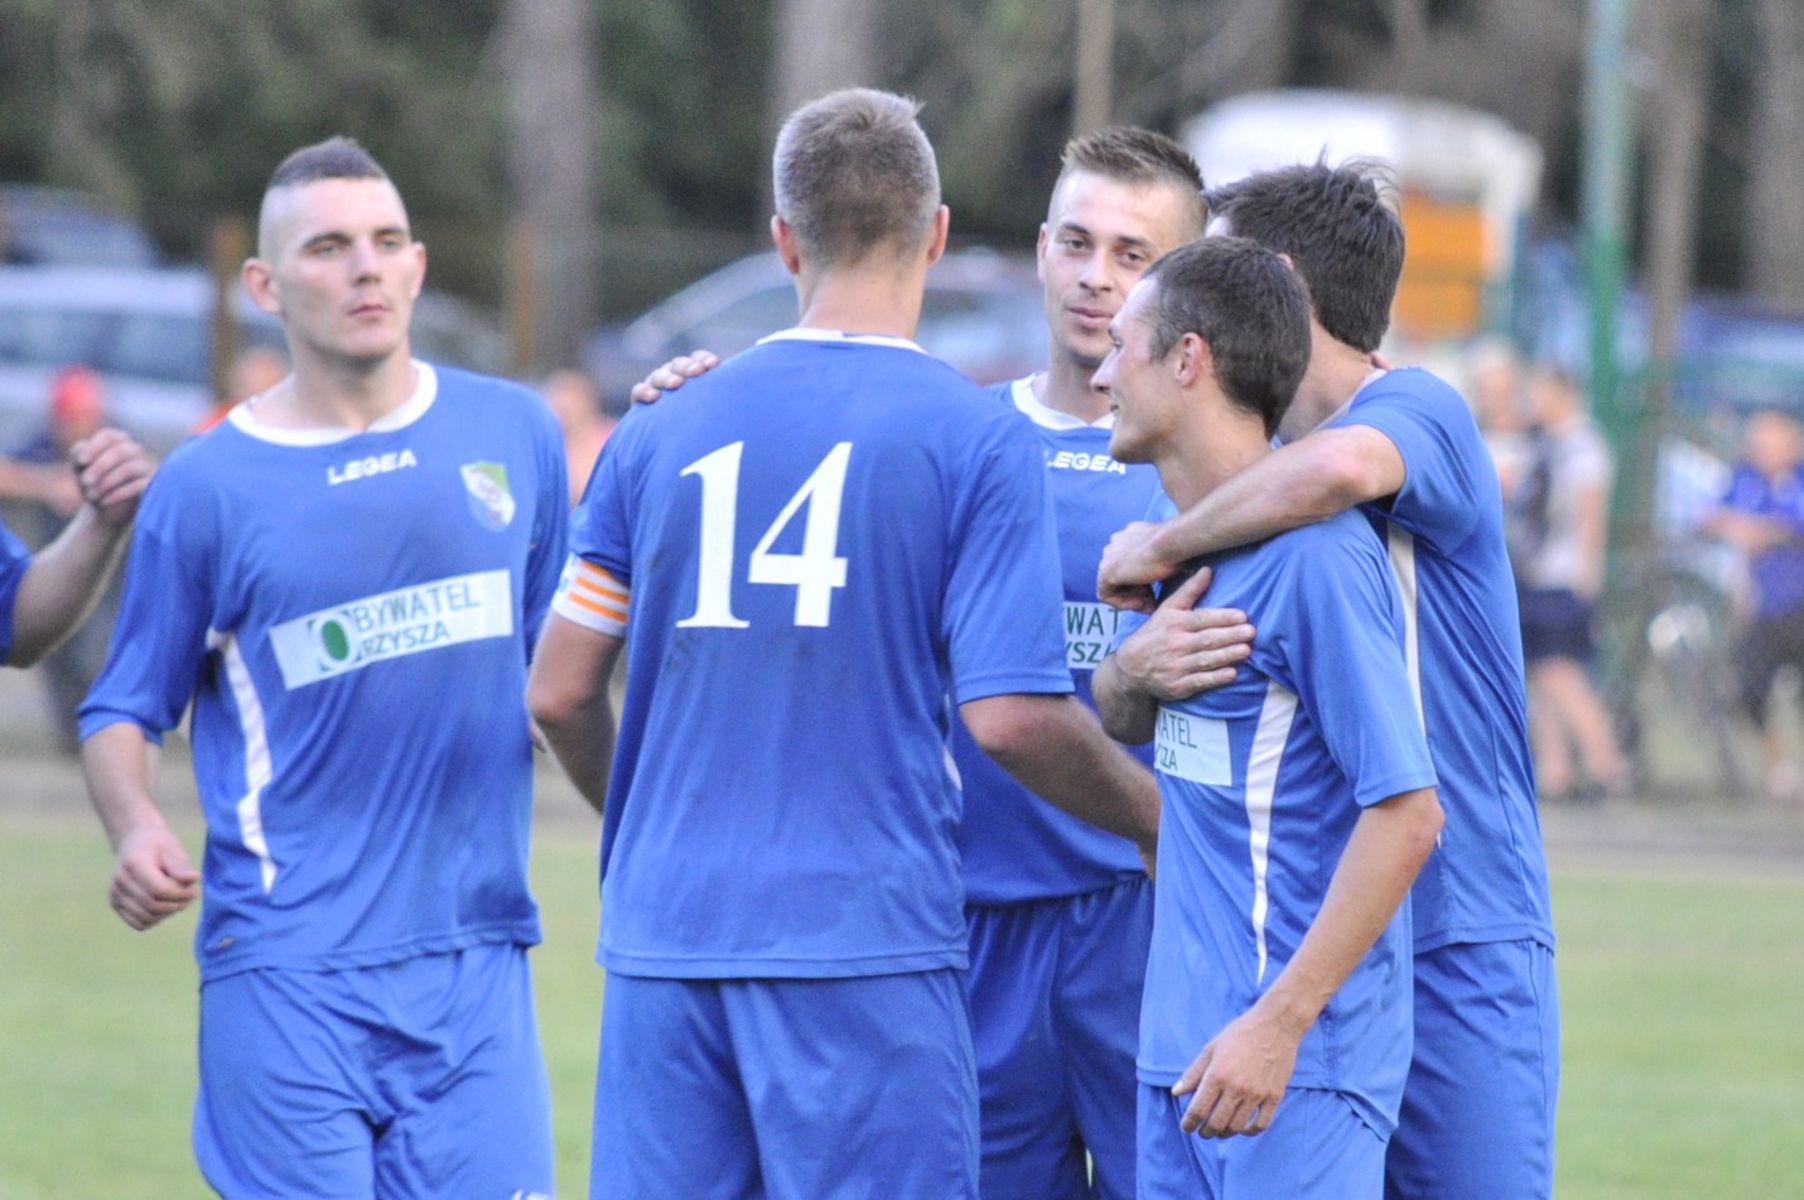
1133, 155
854, 174
335, 158
1336, 227
1251, 310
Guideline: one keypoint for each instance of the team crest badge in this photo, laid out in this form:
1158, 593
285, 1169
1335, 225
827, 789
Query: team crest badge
490, 501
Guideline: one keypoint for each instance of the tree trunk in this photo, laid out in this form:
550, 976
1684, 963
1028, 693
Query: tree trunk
549, 65
822, 46
1774, 249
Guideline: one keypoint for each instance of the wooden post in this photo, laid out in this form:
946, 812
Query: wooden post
1095, 65
228, 247
522, 298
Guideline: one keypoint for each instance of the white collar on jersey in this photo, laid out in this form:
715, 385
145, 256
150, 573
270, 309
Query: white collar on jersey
1047, 417
425, 391
1376, 374
804, 334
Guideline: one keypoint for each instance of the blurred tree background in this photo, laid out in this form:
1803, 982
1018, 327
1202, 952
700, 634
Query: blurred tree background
632, 140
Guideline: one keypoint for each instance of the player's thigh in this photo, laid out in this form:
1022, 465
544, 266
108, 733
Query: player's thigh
285, 1107
1169, 1163
1317, 1148
1101, 974
472, 1100
1478, 1109
861, 1087
1030, 1144
670, 1114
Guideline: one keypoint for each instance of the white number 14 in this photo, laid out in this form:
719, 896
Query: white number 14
814, 573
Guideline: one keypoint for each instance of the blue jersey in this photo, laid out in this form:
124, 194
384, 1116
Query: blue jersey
1487, 881
1263, 780
1778, 571
350, 614
823, 539
1016, 846
14, 560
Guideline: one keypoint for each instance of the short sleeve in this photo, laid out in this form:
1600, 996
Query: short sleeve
1341, 652
1447, 469
601, 529
161, 635
15, 560
1004, 595
551, 525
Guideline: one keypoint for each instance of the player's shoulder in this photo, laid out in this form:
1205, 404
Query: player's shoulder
1343, 540
1418, 390
490, 394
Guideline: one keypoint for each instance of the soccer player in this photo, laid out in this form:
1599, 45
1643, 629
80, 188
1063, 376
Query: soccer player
45, 597
345, 577
1059, 911
1402, 445
1299, 801
831, 534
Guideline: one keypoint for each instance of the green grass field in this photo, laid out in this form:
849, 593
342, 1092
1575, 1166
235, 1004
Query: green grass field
1683, 1007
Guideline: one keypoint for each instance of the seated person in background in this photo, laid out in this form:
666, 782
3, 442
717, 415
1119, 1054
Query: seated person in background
1762, 514
1560, 516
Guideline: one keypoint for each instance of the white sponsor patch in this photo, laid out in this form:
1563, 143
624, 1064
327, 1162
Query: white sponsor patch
1193, 748
352, 635
1089, 628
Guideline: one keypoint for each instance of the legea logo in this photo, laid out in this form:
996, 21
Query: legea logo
375, 464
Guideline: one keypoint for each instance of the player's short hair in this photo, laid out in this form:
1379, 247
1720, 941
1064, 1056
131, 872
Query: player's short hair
1130, 154
1251, 309
854, 174
338, 157
1337, 226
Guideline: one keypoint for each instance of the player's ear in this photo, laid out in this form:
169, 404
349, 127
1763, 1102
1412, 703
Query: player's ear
936, 237
260, 283
418, 250
784, 238
1194, 359
1040, 252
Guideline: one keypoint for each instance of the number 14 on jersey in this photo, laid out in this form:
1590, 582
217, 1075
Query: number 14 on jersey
814, 573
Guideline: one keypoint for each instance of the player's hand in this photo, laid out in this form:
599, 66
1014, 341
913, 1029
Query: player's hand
152, 877
1239, 1077
1182, 649
113, 471
1129, 569
670, 376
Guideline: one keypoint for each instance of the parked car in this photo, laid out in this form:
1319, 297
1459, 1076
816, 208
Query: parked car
148, 332
48, 226
982, 315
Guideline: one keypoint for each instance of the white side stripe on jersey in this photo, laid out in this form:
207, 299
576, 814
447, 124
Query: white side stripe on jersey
1275, 717
1401, 545
257, 769
591, 597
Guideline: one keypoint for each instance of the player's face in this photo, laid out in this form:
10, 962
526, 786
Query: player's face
1142, 390
1100, 236
344, 269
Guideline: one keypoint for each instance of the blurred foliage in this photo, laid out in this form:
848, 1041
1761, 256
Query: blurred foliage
178, 109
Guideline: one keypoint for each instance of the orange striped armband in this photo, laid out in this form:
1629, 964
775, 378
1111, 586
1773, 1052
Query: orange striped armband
592, 598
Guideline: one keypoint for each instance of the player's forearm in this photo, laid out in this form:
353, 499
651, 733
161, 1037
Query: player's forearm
120, 765
1307, 481
1128, 713
62, 586
1389, 844
1056, 748
582, 739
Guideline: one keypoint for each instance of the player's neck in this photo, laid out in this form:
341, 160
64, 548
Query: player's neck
1208, 451
329, 394
855, 301
1336, 371
1065, 387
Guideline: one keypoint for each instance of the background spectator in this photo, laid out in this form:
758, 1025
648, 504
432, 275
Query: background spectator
1494, 386
1560, 510
577, 406
1762, 513
254, 371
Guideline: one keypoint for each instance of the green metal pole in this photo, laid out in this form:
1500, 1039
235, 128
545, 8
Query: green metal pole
1608, 159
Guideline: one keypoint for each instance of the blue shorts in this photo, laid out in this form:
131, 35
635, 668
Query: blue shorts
1478, 1109
1317, 1148
419, 1078
795, 1088
1054, 989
